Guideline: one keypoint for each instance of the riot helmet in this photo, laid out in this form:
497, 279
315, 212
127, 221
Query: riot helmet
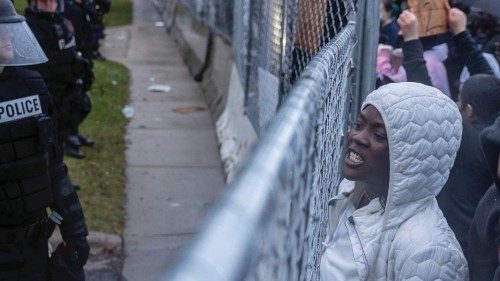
18, 45
46, 6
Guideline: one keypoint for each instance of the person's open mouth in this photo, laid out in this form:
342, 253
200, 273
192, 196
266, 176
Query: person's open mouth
353, 159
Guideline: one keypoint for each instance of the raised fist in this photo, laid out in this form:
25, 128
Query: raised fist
457, 21
408, 24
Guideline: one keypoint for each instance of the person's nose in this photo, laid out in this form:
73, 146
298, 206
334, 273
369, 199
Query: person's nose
361, 138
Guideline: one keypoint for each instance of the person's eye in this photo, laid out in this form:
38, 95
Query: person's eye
380, 136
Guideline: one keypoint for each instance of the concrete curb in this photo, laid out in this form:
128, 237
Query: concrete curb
99, 242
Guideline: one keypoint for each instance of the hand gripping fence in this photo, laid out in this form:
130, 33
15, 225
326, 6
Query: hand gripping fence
271, 224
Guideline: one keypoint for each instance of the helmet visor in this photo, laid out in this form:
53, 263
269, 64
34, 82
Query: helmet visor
18, 45
46, 6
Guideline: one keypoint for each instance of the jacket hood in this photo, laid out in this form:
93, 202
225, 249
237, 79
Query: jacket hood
424, 128
490, 141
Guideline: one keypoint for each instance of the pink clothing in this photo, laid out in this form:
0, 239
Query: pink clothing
434, 61
385, 67
437, 72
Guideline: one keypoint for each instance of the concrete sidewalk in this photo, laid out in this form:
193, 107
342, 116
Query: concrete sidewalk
173, 169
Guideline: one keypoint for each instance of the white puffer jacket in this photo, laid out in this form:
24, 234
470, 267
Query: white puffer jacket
409, 239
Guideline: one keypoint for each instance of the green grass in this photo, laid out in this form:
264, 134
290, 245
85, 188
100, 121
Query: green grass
120, 14
101, 174
20, 5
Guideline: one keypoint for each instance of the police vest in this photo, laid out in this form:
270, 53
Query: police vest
58, 42
25, 138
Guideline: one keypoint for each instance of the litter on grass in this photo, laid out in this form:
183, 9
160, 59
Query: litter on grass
128, 111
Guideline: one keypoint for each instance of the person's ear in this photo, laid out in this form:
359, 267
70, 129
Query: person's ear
468, 111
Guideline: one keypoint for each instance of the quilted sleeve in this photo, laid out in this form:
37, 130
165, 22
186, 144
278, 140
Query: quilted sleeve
431, 263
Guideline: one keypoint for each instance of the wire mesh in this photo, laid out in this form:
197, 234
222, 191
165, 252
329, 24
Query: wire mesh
271, 225
285, 35
265, 58
216, 14
241, 38
273, 42
293, 59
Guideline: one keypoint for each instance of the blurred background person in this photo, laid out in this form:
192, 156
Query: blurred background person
389, 29
68, 75
479, 104
484, 237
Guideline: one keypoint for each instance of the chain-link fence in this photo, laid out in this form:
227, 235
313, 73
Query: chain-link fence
271, 225
273, 40
215, 14
293, 59
284, 36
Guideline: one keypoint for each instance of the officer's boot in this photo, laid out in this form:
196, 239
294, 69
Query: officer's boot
98, 56
72, 147
85, 141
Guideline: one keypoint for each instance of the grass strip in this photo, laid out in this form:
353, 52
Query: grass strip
101, 174
120, 13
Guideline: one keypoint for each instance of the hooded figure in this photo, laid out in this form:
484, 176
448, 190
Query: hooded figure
484, 236
385, 223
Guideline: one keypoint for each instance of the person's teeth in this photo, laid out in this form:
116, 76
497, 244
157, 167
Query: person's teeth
355, 157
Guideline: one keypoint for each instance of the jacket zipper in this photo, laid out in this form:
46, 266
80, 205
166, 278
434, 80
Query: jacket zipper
351, 221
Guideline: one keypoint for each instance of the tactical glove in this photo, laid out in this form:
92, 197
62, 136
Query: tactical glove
76, 251
60, 268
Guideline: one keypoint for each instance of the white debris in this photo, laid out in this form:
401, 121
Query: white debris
114, 82
128, 111
160, 88
159, 24
121, 35
152, 79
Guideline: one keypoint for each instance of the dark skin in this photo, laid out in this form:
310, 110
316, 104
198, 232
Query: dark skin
367, 159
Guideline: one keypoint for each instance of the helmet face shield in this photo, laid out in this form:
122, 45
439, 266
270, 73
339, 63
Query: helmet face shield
18, 45
46, 6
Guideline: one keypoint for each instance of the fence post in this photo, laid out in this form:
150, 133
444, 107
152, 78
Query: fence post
365, 53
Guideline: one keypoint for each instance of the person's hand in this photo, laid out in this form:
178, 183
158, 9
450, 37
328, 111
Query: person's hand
457, 21
408, 24
383, 48
77, 251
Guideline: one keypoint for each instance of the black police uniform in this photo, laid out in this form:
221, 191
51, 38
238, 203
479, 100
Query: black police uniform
81, 20
68, 75
33, 177
96, 10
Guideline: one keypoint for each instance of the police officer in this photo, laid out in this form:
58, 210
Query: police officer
97, 9
68, 75
33, 176
75, 11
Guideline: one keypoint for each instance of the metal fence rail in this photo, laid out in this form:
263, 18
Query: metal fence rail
271, 224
